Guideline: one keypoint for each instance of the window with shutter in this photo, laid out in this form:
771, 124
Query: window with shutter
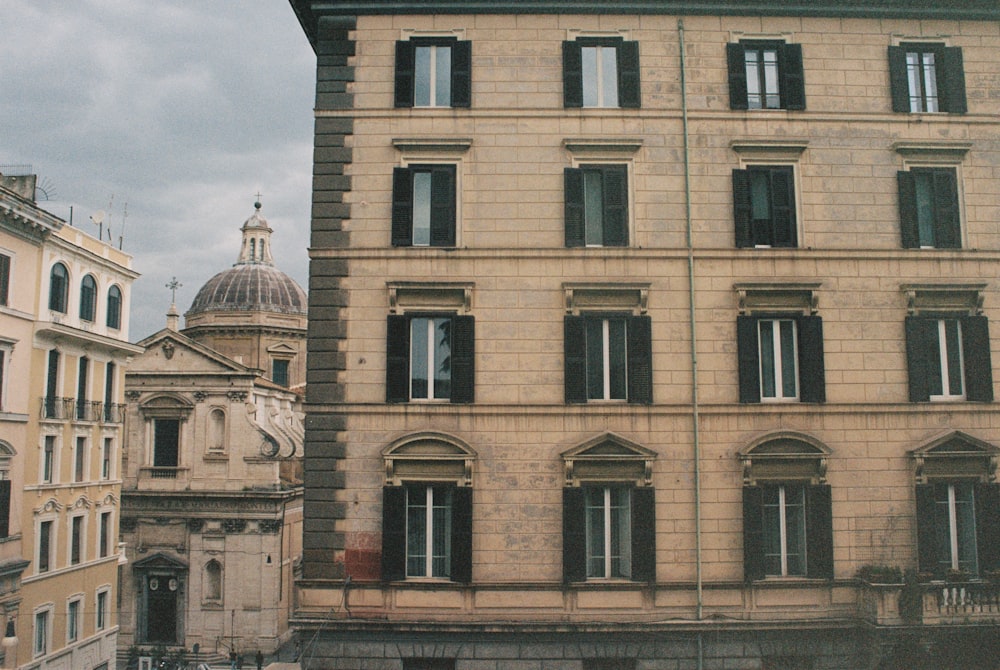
927, 77
430, 357
433, 72
596, 206
948, 358
601, 72
765, 74
929, 208
764, 206
423, 206
781, 358
427, 532
608, 357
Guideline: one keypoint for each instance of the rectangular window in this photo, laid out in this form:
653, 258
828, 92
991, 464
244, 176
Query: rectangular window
82, 406
106, 451
928, 208
958, 527
166, 442
424, 206
927, 77
279, 371
73, 621
102, 610
5, 488
104, 540
430, 357
80, 460
41, 637
596, 206
433, 72
428, 531
949, 358
609, 525
787, 531
4, 279
44, 545
608, 358
780, 358
764, 206
53, 406
76, 540
609, 533
765, 74
109, 392
48, 458
601, 72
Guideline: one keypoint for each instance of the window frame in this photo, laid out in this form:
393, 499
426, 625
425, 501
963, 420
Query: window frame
460, 80
105, 527
48, 463
76, 548
74, 616
817, 531
922, 336
81, 447
790, 74
638, 357
782, 223
88, 298
945, 204
46, 530
285, 367
627, 65
113, 315
642, 533
949, 74
174, 451
102, 609
811, 367
59, 288
395, 531
614, 208
442, 217
41, 635
398, 357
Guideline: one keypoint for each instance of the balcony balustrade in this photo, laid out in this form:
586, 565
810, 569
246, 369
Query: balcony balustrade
63, 409
930, 603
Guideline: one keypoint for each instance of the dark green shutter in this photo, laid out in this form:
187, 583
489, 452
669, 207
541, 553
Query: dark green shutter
978, 361
5, 280
463, 359
443, 206
753, 533
572, 75
988, 526
402, 207
614, 179
899, 84
461, 534
736, 62
405, 64
947, 228
628, 75
4, 507
927, 543
574, 535
793, 91
397, 358
643, 534
461, 74
748, 352
640, 359
918, 363
782, 182
812, 371
908, 225
951, 81
574, 208
393, 533
819, 532
741, 208
575, 357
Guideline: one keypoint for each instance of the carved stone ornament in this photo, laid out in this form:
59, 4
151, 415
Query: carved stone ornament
237, 395
269, 526
168, 349
132, 396
199, 396
128, 524
234, 525
195, 525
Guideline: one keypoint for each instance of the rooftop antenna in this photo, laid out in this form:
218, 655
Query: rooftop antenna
121, 238
97, 218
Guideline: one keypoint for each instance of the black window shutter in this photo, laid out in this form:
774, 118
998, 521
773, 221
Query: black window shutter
908, 209
951, 79
736, 61
793, 90
741, 208
748, 352
615, 197
461, 534
463, 359
819, 532
640, 359
947, 228
397, 358
783, 206
405, 64
812, 371
643, 534
753, 533
927, 544
978, 362
898, 82
393, 533
572, 74
402, 207
628, 75
573, 179
443, 206
574, 535
4, 507
988, 526
918, 364
461, 74
575, 356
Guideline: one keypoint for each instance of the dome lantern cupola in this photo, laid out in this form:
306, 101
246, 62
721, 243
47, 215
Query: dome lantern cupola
256, 239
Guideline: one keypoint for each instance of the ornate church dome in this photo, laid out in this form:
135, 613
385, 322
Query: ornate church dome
253, 284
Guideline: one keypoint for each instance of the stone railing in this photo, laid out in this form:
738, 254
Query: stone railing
931, 603
62, 409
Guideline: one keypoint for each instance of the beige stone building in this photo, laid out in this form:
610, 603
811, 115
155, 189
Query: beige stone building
63, 351
653, 335
212, 491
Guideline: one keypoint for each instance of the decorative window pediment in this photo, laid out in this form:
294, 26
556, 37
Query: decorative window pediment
943, 297
405, 296
609, 458
956, 455
428, 456
166, 406
594, 296
798, 297
787, 456
160, 561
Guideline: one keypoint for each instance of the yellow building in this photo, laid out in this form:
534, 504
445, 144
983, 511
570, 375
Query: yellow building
653, 334
68, 296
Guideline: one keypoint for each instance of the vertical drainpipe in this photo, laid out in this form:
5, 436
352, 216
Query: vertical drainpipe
696, 443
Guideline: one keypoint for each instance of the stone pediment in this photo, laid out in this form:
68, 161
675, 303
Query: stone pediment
160, 561
171, 352
608, 457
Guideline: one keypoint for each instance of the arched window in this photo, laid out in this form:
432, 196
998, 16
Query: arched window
88, 298
58, 288
213, 580
253, 250
114, 308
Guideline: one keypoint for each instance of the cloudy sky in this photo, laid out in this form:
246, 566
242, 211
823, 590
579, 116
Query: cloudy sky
176, 111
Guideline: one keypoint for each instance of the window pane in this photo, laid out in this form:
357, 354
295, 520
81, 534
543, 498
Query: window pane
771, 100
442, 79
924, 186
609, 76
767, 359
421, 209
953, 349
621, 541
416, 532
590, 77
441, 527
965, 519
754, 100
913, 77
760, 198
789, 375
617, 357
595, 532
772, 531
593, 208
422, 77
418, 358
930, 82
442, 358
795, 530
595, 359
